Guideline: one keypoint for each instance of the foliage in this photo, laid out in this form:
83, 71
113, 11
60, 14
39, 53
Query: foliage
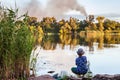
73, 25
100, 23
111, 25
16, 43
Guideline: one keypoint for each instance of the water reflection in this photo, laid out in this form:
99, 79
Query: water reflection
57, 52
49, 42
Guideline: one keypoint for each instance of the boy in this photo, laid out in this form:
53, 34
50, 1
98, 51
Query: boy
81, 62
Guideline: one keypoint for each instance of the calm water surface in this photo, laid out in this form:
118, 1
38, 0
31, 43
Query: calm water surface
103, 53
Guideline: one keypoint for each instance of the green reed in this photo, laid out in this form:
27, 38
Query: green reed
16, 43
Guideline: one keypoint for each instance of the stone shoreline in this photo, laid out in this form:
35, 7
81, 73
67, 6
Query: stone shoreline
96, 77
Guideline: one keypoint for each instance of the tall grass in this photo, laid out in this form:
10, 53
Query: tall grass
16, 43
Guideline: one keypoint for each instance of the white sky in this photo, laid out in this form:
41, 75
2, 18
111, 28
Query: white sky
91, 6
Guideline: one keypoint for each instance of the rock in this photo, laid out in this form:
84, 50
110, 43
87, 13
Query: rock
42, 77
55, 76
51, 72
73, 78
106, 77
63, 73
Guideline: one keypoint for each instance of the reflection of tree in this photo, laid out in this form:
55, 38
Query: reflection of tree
100, 42
90, 38
111, 39
48, 45
90, 44
49, 42
66, 39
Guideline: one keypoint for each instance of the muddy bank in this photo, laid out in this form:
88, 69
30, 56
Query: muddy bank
42, 77
106, 77
96, 77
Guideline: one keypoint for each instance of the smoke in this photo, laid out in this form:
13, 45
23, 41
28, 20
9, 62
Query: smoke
34, 8
58, 7
53, 8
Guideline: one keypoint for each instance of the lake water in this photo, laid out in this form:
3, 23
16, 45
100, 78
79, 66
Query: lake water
58, 54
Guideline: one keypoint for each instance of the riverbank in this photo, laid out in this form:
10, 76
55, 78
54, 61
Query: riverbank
96, 77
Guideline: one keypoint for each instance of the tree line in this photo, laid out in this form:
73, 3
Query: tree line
73, 25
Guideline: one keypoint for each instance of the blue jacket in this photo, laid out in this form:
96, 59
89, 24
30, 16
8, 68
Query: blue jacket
81, 63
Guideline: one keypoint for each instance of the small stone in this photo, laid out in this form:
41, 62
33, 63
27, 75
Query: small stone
51, 71
42, 77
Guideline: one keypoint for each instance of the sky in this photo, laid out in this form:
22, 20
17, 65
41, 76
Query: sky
91, 6
101, 6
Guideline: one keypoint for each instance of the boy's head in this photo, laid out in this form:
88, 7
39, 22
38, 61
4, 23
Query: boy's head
80, 51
